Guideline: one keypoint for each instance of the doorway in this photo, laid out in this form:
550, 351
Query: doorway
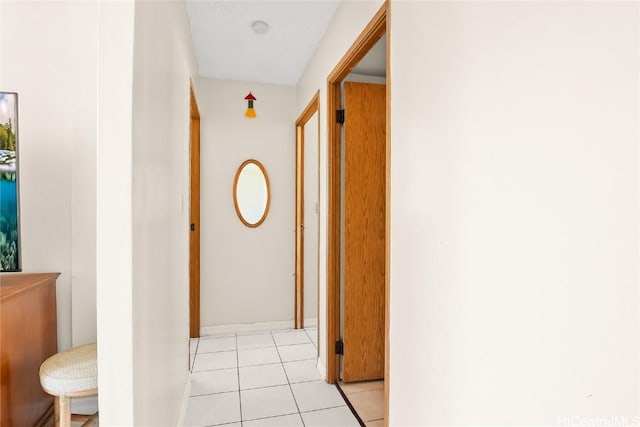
307, 215
194, 218
357, 312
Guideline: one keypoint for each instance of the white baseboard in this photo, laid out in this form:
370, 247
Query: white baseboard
246, 327
312, 322
182, 415
322, 369
84, 405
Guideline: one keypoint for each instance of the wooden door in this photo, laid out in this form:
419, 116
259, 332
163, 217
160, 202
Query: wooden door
194, 214
364, 231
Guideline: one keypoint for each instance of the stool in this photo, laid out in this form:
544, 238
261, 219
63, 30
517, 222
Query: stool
68, 374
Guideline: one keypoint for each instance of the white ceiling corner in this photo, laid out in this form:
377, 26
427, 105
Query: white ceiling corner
227, 48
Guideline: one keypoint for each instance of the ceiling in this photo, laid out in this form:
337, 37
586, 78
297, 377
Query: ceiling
227, 48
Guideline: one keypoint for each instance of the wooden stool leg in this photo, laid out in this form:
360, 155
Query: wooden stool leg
65, 411
92, 421
56, 410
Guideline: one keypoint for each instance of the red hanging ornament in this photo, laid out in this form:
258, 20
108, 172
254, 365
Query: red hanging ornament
251, 113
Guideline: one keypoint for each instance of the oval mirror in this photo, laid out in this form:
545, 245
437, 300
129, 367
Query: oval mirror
251, 193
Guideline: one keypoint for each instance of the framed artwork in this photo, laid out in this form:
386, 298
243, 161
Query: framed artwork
9, 194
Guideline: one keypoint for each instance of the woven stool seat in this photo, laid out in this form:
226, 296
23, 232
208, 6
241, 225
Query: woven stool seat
71, 371
68, 374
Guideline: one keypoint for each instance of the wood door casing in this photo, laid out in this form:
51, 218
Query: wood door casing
194, 217
378, 26
299, 231
311, 109
364, 231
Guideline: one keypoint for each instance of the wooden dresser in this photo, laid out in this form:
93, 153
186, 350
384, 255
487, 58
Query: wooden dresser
28, 336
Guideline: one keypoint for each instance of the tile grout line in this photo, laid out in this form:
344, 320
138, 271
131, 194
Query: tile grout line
255, 388
193, 362
307, 332
324, 409
259, 364
221, 425
315, 344
288, 382
271, 416
281, 363
359, 392
286, 415
349, 405
223, 351
238, 371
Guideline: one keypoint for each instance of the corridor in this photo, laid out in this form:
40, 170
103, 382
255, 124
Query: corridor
262, 379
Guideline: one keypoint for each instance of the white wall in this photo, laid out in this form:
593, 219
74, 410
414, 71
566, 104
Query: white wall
146, 61
247, 273
48, 52
163, 66
514, 234
83, 175
350, 19
114, 222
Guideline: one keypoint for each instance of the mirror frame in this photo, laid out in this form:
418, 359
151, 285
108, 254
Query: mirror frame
235, 189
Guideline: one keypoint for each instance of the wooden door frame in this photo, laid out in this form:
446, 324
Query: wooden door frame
312, 107
194, 216
379, 25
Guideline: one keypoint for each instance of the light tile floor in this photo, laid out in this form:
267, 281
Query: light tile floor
262, 379
367, 399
